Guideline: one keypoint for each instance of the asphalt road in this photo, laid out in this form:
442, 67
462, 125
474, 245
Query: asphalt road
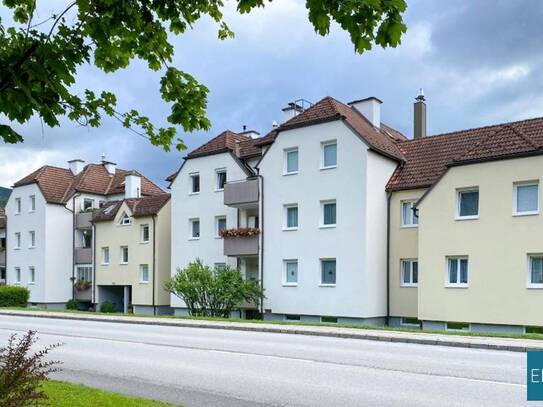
207, 367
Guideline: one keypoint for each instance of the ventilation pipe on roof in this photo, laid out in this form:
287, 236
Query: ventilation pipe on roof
419, 122
370, 108
76, 166
132, 186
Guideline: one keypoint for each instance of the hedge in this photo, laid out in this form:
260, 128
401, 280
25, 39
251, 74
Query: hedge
13, 296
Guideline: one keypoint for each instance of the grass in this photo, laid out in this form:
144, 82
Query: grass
535, 336
63, 394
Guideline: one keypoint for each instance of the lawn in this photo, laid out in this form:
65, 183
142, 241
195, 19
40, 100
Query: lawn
63, 394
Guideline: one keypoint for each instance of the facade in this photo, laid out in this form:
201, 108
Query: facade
133, 254
3, 224
50, 213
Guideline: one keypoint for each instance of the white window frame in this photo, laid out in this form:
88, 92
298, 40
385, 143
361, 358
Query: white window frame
217, 219
125, 220
404, 224
105, 249
142, 280
321, 220
286, 207
323, 145
32, 239
191, 186
459, 193
87, 200
402, 273
286, 151
17, 241
18, 206
516, 185
219, 266
84, 271
17, 275
31, 275
286, 283
529, 283
122, 260
191, 229
32, 199
142, 234
321, 261
217, 179
448, 284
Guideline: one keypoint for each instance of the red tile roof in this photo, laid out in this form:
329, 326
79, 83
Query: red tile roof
140, 207
241, 145
428, 158
59, 184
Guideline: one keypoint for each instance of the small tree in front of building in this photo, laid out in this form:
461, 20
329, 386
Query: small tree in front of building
213, 292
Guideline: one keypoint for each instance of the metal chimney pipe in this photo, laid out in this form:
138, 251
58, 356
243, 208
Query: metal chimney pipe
419, 116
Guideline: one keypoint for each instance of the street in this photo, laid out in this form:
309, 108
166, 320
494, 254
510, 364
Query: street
208, 367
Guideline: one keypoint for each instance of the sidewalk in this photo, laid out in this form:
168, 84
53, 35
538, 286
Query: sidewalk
505, 344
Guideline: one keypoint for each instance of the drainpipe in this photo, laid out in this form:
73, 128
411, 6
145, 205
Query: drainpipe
389, 196
261, 226
154, 262
73, 242
93, 293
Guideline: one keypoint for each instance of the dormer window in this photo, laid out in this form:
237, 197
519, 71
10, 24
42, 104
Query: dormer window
125, 220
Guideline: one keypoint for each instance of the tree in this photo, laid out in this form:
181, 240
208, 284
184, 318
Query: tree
39, 59
211, 292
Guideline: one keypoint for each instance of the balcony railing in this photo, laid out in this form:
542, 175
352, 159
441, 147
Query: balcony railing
83, 255
83, 220
241, 245
83, 295
241, 193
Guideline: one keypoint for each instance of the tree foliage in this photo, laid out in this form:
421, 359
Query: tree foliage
39, 59
211, 292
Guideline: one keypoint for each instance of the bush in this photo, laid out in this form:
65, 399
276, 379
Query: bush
72, 305
22, 374
13, 296
107, 307
212, 292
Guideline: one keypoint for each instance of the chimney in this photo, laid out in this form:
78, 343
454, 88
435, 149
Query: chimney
251, 133
292, 110
370, 108
132, 185
76, 165
419, 116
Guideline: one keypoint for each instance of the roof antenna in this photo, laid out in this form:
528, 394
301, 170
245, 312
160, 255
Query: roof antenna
244, 127
275, 124
103, 157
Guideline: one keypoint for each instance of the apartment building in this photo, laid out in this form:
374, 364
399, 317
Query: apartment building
216, 189
3, 224
49, 212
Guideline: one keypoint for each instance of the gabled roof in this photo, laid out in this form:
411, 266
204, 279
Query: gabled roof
241, 145
381, 140
140, 207
428, 158
59, 184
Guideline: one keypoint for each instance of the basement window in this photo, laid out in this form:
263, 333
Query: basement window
406, 321
329, 320
457, 326
538, 330
292, 317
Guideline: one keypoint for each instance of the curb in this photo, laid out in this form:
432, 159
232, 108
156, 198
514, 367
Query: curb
373, 336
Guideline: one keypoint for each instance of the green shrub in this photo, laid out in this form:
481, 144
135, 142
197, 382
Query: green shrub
13, 296
72, 304
107, 306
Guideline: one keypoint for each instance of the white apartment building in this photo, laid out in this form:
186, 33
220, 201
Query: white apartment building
49, 213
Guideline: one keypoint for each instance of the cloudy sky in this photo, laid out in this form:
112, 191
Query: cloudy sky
479, 62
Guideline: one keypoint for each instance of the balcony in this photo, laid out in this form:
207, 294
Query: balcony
83, 220
241, 246
83, 255
83, 295
2, 258
241, 193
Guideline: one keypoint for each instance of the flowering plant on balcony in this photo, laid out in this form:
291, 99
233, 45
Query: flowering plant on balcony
82, 285
241, 232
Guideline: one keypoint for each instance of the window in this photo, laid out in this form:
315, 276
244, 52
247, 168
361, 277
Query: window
17, 240
194, 228
87, 238
17, 206
32, 239
220, 267
409, 216
88, 204
535, 271
124, 254
125, 220
291, 217
291, 161
105, 255
221, 179
194, 183
17, 275
328, 209
144, 233
32, 199
144, 273
410, 273
409, 321
457, 272
101, 203
329, 320
468, 204
220, 225
84, 273
457, 326
329, 155
290, 270
526, 199
31, 275
328, 271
